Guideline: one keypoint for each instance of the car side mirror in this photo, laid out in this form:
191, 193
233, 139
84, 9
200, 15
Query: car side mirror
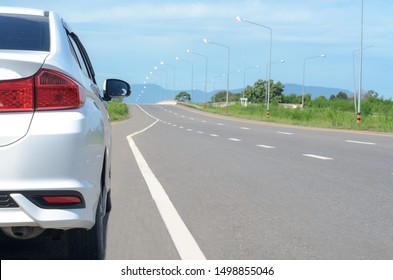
114, 88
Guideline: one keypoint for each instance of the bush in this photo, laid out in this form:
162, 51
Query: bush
117, 110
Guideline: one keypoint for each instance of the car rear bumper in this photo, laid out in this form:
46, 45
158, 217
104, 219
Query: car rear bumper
62, 151
27, 213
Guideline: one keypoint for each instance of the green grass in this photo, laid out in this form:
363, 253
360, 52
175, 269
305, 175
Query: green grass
117, 110
376, 116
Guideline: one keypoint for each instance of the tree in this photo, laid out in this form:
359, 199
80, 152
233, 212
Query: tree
183, 96
258, 93
292, 99
371, 93
220, 96
342, 96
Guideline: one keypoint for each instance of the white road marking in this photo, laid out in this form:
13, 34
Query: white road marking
266, 147
234, 139
245, 128
204, 121
181, 127
359, 142
183, 116
220, 124
200, 132
317, 157
182, 238
192, 119
174, 125
285, 133
213, 135
189, 129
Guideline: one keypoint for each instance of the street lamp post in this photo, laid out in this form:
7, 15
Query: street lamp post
161, 86
267, 65
206, 59
174, 76
192, 72
360, 65
244, 76
239, 19
304, 72
229, 55
354, 76
166, 78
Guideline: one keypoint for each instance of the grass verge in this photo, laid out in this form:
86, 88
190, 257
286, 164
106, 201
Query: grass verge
117, 110
328, 117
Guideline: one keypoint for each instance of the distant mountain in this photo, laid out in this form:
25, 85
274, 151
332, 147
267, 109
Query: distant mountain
314, 90
152, 93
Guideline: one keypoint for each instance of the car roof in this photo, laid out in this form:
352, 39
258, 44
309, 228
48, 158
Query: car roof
22, 11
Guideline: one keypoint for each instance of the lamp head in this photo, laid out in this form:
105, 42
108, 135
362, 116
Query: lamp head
239, 19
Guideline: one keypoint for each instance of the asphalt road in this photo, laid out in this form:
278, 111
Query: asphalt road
247, 190
189, 185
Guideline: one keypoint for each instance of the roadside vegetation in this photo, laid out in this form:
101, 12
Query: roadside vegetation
117, 110
338, 111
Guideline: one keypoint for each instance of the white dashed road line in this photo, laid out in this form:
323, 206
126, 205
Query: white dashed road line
266, 147
234, 139
213, 135
285, 133
317, 157
245, 128
359, 142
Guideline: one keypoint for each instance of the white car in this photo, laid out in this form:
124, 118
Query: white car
55, 133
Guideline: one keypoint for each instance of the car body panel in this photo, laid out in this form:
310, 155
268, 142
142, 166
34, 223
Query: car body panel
53, 150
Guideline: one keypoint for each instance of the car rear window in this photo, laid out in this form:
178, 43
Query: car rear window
24, 32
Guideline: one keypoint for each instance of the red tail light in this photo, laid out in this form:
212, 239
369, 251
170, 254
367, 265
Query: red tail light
17, 95
55, 91
47, 90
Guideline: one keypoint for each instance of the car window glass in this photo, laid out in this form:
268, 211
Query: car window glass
24, 32
79, 56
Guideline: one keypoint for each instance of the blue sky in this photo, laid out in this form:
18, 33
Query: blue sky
126, 39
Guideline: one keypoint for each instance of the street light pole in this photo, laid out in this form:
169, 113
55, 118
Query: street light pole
354, 76
174, 76
304, 73
229, 55
192, 72
360, 65
166, 78
206, 59
244, 76
239, 19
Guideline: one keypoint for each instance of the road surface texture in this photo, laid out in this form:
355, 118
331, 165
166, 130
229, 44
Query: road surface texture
248, 190
190, 185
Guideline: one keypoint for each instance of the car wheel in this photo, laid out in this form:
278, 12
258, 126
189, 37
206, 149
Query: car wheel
89, 244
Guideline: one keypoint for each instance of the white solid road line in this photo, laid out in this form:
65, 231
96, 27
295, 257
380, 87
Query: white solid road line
317, 157
359, 142
182, 238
